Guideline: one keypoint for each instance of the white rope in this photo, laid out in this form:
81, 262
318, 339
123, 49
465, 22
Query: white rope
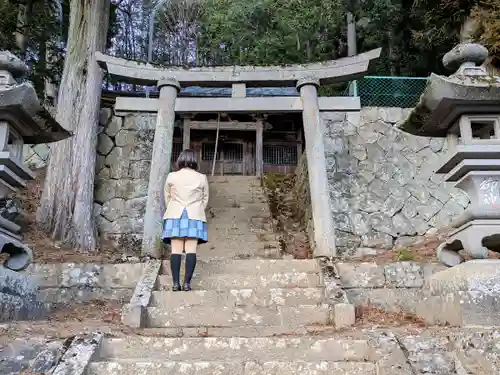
216, 144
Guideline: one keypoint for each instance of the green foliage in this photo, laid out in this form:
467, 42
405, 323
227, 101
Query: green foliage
414, 34
404, 254
8, 21
487, 15
269, 32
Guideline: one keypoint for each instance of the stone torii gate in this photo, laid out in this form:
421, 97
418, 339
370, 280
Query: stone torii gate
306, 78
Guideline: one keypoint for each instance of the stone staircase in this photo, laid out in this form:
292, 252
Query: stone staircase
239, 221
250, 312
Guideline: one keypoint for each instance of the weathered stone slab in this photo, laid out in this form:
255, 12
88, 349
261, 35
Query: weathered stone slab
310, 368
106, 276
465, 295
76, 359
114, 126
236, 348
104, 144
232, 368
145, 367
239, 297
83, 294
361, 275
475, 275
133, 312
429, 355
245, 331
387, 353
14, 307
145, 286
253, 266
343, 315
30, 356
404, 275
17, 284
461, 308
394, 300
478, 351
235, 316
246, 281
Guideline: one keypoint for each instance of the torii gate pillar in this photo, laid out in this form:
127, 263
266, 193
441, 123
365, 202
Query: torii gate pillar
160, 167
314, 130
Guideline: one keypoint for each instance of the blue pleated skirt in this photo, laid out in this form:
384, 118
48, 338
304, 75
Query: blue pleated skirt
184, 227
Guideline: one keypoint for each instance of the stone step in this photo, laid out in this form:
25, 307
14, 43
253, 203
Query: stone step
239, 236
257, 208
223, 201
261, 349
254, 267
235, 316
249, 243
247, 281
224, 254
231, 225
234, 179
235, 197
230, 368
242, 255
241, 331
239, 297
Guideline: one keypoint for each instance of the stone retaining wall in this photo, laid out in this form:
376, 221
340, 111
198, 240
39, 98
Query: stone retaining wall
124, 152
70, 282
392, 287
382, 181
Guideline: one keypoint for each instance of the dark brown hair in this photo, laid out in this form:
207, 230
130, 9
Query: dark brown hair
187, 159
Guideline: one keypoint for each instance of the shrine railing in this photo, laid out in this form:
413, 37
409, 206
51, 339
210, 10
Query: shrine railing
377, 91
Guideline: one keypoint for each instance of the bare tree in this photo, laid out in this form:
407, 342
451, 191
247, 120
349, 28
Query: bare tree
175, 42
66, 207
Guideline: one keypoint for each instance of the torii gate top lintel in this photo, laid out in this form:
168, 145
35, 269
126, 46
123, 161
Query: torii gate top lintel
341, 70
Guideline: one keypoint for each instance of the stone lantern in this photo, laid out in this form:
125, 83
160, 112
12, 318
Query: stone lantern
465, 108
22, 121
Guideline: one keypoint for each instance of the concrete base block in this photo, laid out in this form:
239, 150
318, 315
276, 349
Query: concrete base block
465, 295
343, 315
132, 315
462, 309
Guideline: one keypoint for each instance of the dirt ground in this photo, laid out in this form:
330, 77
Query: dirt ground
68, 321
45, 249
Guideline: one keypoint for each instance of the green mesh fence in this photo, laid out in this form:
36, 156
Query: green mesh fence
374, 91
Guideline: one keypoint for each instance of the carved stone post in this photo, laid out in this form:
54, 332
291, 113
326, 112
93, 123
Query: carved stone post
160, 166
186, 134
259, 149
324, 230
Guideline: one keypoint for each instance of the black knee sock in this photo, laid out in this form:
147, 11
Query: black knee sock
190, 266
175, 267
